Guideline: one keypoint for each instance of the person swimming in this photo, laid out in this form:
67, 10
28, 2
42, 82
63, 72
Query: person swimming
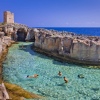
60, 74
65, 79
33, 76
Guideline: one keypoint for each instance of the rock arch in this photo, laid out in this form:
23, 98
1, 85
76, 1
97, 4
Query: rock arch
21, 34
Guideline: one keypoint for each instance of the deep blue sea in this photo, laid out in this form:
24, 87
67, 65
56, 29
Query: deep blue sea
92, 31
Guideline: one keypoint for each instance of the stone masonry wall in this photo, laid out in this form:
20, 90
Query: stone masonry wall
8, 17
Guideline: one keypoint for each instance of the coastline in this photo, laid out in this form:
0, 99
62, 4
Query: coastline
66, 58
15, 92
68, 46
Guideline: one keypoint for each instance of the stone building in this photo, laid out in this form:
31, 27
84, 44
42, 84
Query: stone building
8, 17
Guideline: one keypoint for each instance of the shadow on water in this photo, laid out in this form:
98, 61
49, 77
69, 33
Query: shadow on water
57, 77
95, 89
32, 52
62, 84
58, 62
43, 93
95, 99
64, 63
27, 48
54, 60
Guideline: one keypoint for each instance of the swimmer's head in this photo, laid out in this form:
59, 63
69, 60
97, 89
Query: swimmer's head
27, 75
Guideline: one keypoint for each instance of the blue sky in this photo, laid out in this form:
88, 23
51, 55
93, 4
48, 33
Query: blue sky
54, 13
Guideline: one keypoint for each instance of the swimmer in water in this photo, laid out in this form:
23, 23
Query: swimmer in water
60, 74
66, 80
33, 76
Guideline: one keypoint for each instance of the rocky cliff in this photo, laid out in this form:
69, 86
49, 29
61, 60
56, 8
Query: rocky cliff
7, 37
68, 46
5, 42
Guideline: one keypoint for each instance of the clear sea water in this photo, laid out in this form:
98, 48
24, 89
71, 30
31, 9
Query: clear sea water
94, 31
20, 63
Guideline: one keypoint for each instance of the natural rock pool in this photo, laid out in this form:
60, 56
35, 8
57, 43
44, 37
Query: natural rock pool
23, 62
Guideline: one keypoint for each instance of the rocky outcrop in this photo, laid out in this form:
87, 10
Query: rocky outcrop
86, 50
30, 35
15, 92
5, 41
68, 46
17, 32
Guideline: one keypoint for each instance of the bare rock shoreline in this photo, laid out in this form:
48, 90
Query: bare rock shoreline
15, 92
68, 46
64, 46
67, 59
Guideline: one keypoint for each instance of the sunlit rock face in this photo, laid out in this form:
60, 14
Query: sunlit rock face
8, 30
50, 43
5, 41
0, 48
76, 47
30, 35
47, 41
66, 44
2, 34
1, 42
85, 51
17, 32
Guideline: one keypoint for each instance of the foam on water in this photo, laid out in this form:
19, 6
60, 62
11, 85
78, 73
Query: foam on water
23, 62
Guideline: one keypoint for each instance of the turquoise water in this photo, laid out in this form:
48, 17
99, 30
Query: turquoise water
20, 63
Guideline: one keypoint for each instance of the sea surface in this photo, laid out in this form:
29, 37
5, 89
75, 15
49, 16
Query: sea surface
22, 62
91, 31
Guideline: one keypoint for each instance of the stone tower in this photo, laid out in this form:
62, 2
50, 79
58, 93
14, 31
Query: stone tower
8, 17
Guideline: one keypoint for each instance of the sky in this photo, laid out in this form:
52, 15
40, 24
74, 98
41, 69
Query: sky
53, 13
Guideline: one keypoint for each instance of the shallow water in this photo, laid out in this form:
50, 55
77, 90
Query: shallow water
20, 63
